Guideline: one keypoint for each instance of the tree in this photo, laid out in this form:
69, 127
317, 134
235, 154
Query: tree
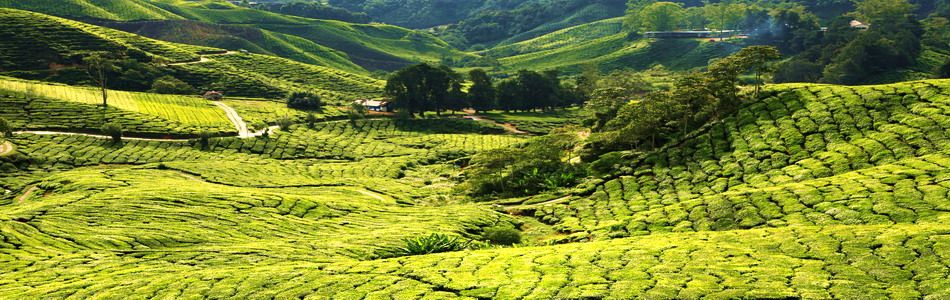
695, 18
508, 95
304, 100
171, 85
311, 120
456, 100
420, 88
662, 16
98, 66
5, 128
944, 70
760, 60
724, 15
113, 130
356, 112
876, 12
631, 20
481, 95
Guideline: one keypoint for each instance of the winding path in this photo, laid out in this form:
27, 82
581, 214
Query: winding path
507, 126
6, 148
26, 194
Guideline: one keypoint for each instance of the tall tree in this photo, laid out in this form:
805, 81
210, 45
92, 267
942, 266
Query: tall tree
631, 20
420, 88
98, 66
759, 59
481, 95
724, 15
662, 16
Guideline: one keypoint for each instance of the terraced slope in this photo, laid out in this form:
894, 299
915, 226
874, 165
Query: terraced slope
814, 192
35, 41
614, 52
99, 9
240, 38
34, 105
806, 155
40, 45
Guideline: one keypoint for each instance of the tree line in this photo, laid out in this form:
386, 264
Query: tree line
425, 88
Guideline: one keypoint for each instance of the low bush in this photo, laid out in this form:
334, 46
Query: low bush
502, 235
6, 130
304, 100
113, 130
433, 243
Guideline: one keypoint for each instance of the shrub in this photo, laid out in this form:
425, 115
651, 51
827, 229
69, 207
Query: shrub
433, 243
356, 112
204, 138
502, 235
303, 100
5, 128
284, 123
171, 85
311, 120
113, 130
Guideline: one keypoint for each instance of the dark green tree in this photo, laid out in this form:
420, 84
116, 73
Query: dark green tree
171, 85
481, 95
304, 100
420, 88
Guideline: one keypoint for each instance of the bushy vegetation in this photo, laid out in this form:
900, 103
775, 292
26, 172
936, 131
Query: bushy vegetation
433, 243
304, 100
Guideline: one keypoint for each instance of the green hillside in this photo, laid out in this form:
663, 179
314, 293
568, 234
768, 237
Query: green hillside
34, 105
323, 42
124, 10
34, 41
612, 52
241, 38
62, 43
815, 191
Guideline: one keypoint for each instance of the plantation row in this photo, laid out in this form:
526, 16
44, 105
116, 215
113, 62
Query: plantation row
820, 141
182, 109
313, 224
47, 114
31, 40
332, 84
842, 262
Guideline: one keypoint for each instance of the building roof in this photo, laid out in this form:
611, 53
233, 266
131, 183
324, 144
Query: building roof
859, 24
370, 102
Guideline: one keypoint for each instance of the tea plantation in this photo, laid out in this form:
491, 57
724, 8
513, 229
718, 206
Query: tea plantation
812, 192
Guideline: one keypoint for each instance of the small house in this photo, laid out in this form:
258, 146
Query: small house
855, 24
374, 105
213, 95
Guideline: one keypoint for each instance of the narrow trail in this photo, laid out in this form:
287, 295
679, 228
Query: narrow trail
29, 191
235, 118
203, 59
6, 148
100, 136
507, 126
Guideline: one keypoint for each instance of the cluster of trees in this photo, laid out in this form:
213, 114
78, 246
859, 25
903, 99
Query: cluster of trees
421, 88
304, 100
651, 15
538, 165
843, 54
621, 121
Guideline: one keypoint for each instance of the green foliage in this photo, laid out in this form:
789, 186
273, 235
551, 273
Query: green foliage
481, 94
5, 127
539, 165
502, 235
433, 243
171, 85
662, 16
113, 130
421, 88
304, 100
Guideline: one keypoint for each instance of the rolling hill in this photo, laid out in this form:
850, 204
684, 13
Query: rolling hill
61, 44
371, 46
813, 191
